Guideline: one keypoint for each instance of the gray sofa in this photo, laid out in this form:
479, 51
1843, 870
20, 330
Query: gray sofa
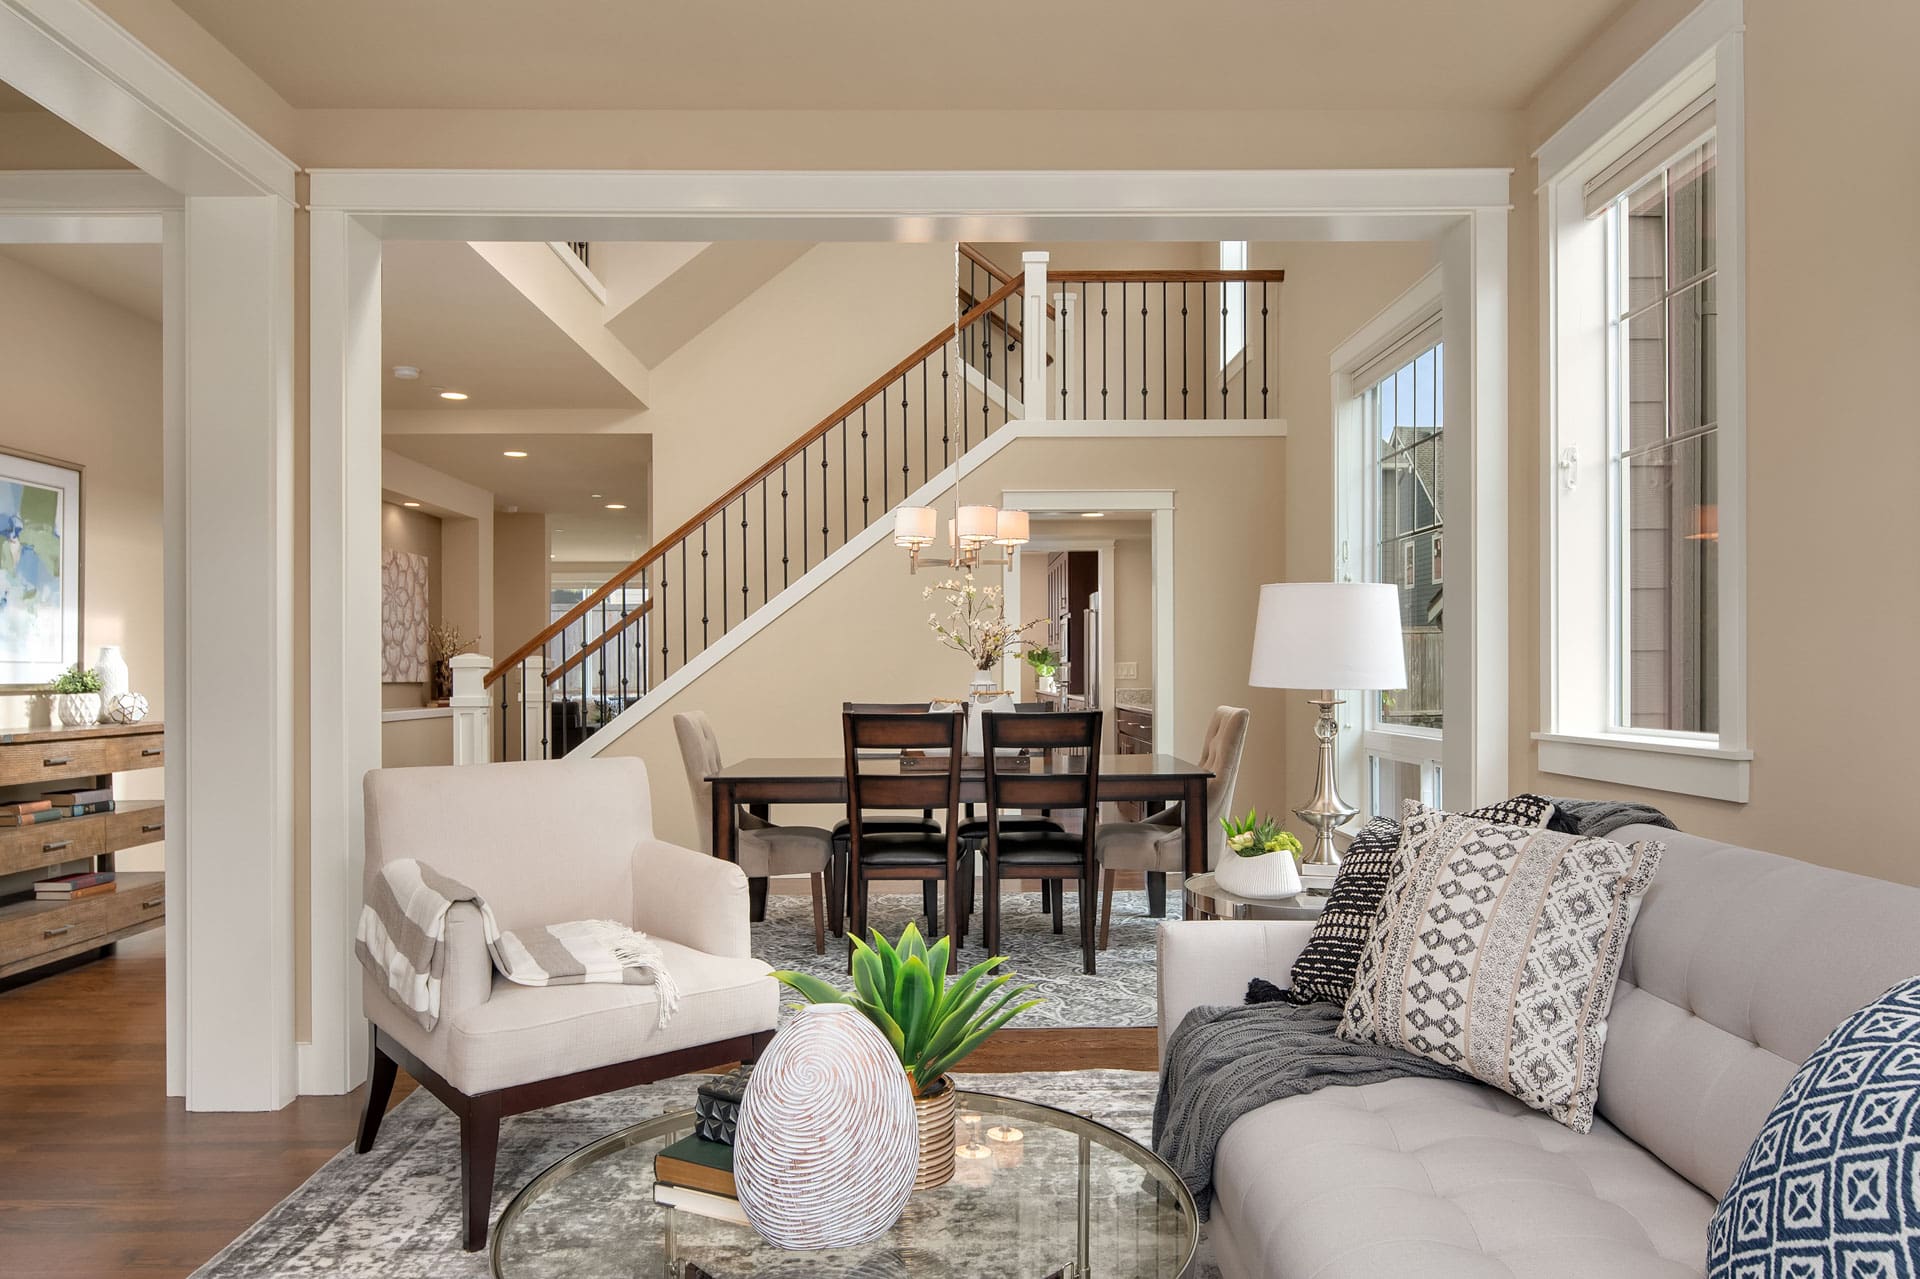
1740, 964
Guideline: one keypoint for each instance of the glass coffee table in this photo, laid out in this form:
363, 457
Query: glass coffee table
1038, 1193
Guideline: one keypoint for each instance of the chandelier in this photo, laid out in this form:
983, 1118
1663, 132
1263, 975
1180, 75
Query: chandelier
971, 528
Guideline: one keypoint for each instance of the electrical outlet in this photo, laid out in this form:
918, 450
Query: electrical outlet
1129, 670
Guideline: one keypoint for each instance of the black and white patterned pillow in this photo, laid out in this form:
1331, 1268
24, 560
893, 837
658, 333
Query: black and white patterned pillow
1325, 968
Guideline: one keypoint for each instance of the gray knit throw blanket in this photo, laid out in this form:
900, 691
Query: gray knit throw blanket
1223, 1063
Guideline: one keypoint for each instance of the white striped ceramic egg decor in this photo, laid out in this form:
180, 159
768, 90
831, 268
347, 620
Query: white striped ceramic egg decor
828, 1143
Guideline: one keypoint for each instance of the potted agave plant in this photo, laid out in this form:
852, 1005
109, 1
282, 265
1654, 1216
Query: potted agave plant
933, 1024
1260, 858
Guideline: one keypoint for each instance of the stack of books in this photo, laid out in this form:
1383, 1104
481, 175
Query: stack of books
695, 1175
67, 888
55, 807
28, 812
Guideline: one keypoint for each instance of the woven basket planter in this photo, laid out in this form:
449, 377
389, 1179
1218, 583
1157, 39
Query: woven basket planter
938, 1116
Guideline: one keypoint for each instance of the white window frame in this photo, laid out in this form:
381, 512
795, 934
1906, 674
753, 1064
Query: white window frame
1579, 736
1408, 326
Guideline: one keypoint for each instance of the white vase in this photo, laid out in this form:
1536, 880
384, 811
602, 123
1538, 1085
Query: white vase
828, 1142
1267, 875
112, 669
77, 710
987, 681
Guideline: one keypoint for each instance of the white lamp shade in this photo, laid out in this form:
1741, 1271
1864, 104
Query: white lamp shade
913, 526
978, 524
1012, 528
1332, 635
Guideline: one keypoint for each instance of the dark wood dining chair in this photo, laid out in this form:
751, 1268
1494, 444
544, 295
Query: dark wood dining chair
1049, 855
888, 785
890, 824
973, 829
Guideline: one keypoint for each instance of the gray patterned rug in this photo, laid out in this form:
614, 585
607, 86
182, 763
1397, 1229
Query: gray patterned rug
394, 1213
1120, 993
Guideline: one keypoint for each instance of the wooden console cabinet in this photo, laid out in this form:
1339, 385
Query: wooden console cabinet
35, 933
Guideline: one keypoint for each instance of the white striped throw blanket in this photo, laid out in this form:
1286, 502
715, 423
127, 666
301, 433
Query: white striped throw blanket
402, 937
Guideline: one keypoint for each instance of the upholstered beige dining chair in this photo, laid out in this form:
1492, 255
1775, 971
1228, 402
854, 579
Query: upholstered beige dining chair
765, 850
548, 842
1158, 844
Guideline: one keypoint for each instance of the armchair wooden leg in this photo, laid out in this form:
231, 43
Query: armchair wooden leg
479, 1151
1108, 878
818, 882
757, 899
380, 1072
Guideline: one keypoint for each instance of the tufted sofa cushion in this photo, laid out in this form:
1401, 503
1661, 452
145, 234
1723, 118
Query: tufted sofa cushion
1445, 1179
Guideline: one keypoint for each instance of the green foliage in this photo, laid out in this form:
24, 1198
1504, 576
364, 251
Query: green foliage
932, 1023
1045, 661
75, 680
1255, 836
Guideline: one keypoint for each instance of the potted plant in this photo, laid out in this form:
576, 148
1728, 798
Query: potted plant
1046, 664
76, 697
933, 1024
976, 624
1260, 858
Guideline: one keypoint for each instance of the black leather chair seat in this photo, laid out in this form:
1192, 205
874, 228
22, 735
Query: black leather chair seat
1041, 848
888, 826
976, 827
904, 848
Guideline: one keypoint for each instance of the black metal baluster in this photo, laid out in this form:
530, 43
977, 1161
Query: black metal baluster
745, 558
725, 507
825, 484
504, 712
686, 601
601, 660
1246, 356
1263, 349
624, 696
1204, 375
986, 382
865, 517
926, 431
765, 593
906, 446
1103, 350
946, 403
784, 519
1086, 396
1186, 365
546, 715
886, 460
960, 349
806, 543
706, 608
1065, 337
1163, 350
1223, 348
666, 633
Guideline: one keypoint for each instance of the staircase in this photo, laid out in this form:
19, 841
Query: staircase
1119, 344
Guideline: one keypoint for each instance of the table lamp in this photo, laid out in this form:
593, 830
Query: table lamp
1328, 636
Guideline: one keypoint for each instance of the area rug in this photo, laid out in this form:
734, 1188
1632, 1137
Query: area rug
1120, 993
394, 1212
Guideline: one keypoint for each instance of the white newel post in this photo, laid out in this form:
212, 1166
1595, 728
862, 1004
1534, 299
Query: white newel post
472, 739
535, 719
1035, 341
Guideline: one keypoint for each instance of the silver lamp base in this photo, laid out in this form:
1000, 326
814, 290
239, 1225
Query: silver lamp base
1326, 810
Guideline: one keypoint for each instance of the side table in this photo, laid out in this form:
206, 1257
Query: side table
1207, 900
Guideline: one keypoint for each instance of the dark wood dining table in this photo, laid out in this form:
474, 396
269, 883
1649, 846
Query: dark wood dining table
756, 784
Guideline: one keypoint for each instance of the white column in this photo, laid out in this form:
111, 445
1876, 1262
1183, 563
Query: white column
472, 740
228, 427
535, 719
1035, 340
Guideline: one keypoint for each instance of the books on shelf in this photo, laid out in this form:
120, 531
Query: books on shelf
694, 1163
91, 883
700, 1203
77, 798
87, 810
33, 817
26, 806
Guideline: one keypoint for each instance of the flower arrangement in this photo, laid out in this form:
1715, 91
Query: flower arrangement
76, 680
1255, 836
976, 623
931, 1022
447, 641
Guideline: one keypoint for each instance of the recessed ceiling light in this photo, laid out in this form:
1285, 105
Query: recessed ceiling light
409, 503
616, 506
596, 497
453, 395
514, 453
405, 372
1093, 515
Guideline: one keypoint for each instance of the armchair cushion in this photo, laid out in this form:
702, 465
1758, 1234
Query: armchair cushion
690, 898
523, 1034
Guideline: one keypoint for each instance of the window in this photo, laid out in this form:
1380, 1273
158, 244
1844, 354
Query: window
1643, 353
614, 675
1233, 303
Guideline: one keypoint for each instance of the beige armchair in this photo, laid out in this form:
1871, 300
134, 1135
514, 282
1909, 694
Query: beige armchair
544, 843
1157, 845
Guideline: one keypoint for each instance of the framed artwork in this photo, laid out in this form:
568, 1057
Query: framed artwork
39, 569
403, 617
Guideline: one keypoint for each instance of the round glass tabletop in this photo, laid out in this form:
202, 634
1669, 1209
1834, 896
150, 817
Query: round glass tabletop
1038, 1194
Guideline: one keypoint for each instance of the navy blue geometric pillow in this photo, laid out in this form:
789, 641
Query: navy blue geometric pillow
1831, 1188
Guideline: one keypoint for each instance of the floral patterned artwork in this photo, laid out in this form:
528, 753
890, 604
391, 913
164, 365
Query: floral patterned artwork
403, 617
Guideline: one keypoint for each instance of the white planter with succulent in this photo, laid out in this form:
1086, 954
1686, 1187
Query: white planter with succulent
1261, 858
76, 697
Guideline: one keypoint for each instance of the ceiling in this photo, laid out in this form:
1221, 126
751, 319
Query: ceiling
127, 275
446, 312
558, 478
875, 54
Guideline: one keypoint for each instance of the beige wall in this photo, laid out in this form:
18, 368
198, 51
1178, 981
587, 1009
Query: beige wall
416, 533
1833, 316
82, 384
410, 743
520, 562
1131, 611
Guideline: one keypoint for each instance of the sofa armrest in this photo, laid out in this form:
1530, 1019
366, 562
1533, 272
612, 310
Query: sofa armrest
1206, 962
690, 898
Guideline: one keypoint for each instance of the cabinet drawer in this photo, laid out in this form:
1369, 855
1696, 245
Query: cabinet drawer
135, 823
33, 928
32, 847
57, 759
141, 900
1133, 723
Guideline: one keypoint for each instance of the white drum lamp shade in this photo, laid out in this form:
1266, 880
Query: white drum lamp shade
1012, 529
978, 524
914, 526
1328, 635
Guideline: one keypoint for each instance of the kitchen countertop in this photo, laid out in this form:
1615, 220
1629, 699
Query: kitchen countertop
1135, 699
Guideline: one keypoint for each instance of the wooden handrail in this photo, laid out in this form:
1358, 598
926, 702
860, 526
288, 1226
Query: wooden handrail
994, 273
713, 508
1270, 276
559, 672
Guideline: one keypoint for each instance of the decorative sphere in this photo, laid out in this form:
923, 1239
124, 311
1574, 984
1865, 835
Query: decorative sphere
127, 708
828, 1140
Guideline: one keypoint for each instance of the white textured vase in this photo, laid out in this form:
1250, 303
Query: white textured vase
112, 669
1268, 875
828, 1143
77, 710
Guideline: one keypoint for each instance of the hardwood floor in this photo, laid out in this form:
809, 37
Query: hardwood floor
102, 1175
